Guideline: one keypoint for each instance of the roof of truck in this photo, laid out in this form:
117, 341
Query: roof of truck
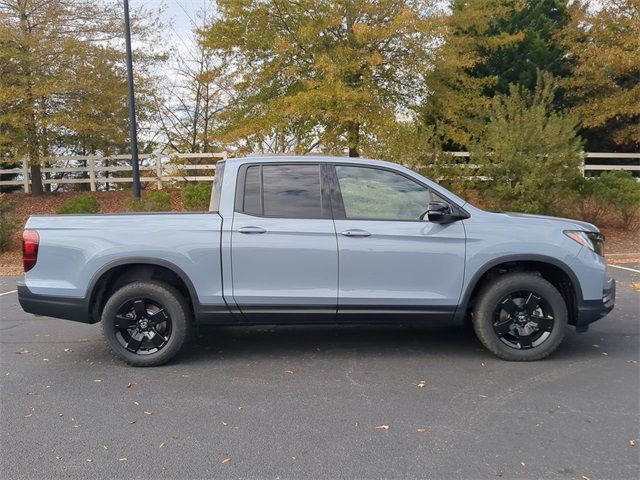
316, 158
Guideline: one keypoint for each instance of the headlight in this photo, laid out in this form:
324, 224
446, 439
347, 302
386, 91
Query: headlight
594, 241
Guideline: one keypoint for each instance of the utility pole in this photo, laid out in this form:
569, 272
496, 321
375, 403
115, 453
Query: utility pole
132, 105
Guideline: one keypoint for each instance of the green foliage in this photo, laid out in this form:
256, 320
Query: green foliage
154, 201
529, 153
86, 203
604, 90
8, 223
196, 196
318, 72
488, 45
620, 190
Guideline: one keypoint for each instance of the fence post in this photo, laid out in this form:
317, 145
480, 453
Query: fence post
25, 174
92, 173
159, 171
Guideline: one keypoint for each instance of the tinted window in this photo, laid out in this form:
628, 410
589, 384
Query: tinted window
291, 191
252, 201
371, 193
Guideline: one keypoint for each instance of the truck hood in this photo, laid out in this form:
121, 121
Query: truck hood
567, 222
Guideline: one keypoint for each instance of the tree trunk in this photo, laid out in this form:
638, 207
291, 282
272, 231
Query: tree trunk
36, 180
353, 138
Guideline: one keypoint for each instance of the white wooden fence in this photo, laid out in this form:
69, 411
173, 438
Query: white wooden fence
99, 171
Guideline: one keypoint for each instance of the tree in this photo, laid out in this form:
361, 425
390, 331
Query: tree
192, 99
62, 83
489, 45
529, 153
604, 90
320, 73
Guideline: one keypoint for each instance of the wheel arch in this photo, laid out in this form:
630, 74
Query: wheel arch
555, 271
118, 273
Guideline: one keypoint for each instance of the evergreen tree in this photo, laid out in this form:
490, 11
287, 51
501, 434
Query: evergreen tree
529, 153
489, 45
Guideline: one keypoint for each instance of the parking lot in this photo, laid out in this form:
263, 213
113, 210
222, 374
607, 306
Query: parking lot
320, 402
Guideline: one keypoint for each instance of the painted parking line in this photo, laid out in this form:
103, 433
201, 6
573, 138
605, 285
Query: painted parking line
625, 268
7, 293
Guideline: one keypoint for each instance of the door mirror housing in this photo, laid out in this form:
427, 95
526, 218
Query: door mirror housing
439, 212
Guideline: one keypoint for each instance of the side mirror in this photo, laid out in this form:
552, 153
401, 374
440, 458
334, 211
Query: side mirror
439, 212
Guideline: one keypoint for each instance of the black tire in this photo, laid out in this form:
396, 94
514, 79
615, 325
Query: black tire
146, 301
507, 324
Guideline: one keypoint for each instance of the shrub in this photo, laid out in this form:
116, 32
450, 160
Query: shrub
529, 153
8, 223
196, 196
154, 201
620, 190
83, 204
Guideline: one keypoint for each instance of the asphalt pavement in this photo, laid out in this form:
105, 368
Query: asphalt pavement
320, 402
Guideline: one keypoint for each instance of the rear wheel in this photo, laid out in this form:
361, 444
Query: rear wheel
146, 323
520, 316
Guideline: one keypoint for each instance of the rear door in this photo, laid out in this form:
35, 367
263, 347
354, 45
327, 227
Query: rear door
283, 245
391, 261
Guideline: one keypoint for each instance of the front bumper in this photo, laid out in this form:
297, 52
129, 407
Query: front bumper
68, 308
591, 310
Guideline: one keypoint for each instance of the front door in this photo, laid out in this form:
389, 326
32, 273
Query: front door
283, 243
391, 261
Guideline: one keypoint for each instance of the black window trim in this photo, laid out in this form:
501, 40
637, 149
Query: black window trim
325, 197
337, 203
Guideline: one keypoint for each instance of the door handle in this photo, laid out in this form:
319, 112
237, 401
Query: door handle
356, 232
251, 230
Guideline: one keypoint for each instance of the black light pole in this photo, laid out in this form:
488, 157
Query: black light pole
132, 105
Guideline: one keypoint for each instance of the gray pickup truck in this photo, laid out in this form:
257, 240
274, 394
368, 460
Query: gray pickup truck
318, 240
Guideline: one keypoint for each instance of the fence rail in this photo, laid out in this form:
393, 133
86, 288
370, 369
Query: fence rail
101, 172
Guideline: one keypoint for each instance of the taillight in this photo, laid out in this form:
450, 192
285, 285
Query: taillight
30, 242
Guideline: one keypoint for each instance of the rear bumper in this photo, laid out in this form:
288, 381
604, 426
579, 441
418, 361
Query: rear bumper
591, 310
68, 308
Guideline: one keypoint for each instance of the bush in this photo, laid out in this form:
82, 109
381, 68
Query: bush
196, 196
529, 153
8, 223
620, 190
83, 204
154, 201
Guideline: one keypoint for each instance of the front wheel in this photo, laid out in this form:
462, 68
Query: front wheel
146, 323
520, 317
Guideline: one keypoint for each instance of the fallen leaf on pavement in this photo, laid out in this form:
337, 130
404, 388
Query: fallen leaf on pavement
162, 445
523, 464
137, 404
131, 384
45, 359
132, 422
148, 413
97, 380
290, 372
421, 430
225, 423
68, 350
483, 396
584, 477
123, 459
632, 443
605, 354
421, 384
226, 460
88, 460
382, 427
22, 351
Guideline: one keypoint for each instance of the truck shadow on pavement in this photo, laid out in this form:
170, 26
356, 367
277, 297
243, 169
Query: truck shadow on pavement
305, 341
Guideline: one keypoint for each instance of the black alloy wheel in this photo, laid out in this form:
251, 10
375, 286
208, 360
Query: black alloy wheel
142, 326
146, 323
523, 320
